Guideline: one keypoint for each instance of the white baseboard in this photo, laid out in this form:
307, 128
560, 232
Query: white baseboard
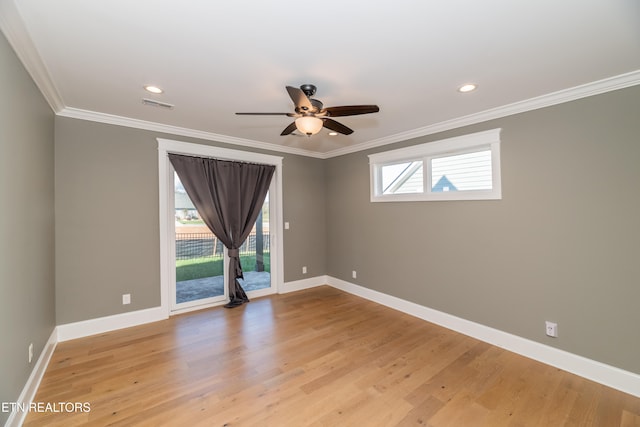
33, 382
100, 325
610, 376
298, 285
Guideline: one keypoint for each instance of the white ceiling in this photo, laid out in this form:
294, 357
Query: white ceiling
91, 59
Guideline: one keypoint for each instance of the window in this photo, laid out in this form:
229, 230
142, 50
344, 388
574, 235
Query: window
461, 168
402, 178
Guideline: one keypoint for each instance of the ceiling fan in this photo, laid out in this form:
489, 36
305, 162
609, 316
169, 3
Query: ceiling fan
311, 116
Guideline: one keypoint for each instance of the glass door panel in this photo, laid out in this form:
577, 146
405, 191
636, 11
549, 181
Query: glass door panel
199, 255
255, 256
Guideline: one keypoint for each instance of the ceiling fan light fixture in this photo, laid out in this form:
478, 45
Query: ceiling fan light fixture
309, 125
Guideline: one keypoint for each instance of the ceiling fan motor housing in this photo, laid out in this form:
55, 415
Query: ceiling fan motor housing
317, 105
308, 89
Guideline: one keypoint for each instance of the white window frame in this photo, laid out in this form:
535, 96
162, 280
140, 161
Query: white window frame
425, 152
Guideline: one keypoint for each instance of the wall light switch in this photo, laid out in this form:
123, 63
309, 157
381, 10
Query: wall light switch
286, 225
126, 299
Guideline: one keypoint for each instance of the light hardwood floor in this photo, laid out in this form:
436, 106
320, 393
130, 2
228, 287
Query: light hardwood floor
318, 357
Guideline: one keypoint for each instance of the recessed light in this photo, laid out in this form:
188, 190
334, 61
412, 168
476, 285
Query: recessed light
153, 89
467, 88
333, 133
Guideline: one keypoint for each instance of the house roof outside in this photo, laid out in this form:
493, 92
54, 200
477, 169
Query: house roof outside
182, 201
443, 184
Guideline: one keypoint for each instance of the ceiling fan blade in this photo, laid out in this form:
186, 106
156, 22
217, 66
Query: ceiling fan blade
289, 129
263, 114
338, 127
300, 100
351, 110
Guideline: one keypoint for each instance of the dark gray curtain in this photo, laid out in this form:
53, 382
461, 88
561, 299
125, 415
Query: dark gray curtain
228, 197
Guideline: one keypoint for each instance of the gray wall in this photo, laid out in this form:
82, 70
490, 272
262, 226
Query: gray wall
107, 224
27, 309
563, 244
304, 208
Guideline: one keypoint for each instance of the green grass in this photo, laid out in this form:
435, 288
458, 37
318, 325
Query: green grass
191, 221
197, 268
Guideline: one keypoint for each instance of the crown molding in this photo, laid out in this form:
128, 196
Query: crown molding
16, 33
566, 95
13, 27
93, 116
594, 88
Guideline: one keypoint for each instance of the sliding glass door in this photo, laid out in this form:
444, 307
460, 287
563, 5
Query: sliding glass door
193, 260
201, 261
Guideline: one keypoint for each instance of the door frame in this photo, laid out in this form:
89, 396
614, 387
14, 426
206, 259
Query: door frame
167, 213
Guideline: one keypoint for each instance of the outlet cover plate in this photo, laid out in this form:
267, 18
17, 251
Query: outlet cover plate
551, 329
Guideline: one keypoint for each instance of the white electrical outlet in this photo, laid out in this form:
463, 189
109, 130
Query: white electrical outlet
126, 299
304, 270
30, 352
354, 274
551, 329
